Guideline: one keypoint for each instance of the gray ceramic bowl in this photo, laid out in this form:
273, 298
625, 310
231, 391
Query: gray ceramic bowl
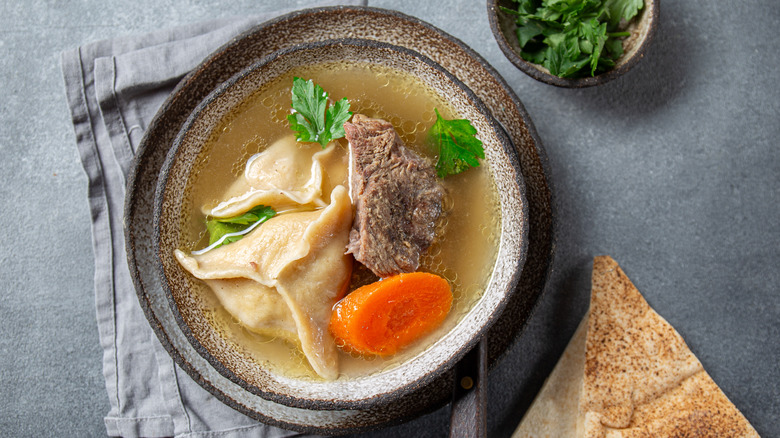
311, 25
388, 385
635, 46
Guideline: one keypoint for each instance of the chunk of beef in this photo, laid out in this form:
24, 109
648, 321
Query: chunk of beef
396, 195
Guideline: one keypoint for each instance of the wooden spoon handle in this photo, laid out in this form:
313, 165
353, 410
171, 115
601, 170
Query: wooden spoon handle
468, 417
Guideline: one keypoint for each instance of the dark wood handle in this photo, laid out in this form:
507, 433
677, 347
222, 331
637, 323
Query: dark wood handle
469, 401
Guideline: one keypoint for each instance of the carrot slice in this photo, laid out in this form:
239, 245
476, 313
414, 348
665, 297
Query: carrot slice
387, 315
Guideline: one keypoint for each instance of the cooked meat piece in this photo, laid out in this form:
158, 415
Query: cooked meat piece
396, 195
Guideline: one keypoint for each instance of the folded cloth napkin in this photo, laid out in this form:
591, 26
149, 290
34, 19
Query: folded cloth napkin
114, 88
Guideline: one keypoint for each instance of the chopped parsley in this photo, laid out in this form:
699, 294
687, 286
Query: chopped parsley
573, 38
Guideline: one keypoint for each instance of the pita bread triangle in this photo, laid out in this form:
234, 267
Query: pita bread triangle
627, 373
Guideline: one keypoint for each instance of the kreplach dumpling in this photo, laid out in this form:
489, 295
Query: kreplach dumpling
286, 175
258, 307
298, 256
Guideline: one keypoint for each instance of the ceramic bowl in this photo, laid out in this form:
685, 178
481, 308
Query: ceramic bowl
399, 380
635, 46
310, 25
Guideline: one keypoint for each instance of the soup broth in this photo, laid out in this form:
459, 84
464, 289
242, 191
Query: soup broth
466, 242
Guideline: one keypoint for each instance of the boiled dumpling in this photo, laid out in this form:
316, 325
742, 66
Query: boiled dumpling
301, 257
286, 175
259, 308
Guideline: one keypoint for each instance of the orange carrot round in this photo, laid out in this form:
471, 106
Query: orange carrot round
385, 316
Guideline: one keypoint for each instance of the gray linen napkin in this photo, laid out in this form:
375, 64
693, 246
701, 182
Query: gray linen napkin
114, 88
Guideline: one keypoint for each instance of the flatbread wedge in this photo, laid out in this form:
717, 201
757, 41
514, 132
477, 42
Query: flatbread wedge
638, 377
553, 413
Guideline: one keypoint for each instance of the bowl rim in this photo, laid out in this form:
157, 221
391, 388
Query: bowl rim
507, 290
589, 81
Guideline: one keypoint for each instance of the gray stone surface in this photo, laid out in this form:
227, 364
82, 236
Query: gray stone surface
673, 170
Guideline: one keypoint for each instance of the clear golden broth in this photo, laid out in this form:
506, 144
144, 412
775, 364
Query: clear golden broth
466, 244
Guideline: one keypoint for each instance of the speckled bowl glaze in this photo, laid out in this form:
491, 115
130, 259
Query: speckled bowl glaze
315, 25
389, 384
635, 46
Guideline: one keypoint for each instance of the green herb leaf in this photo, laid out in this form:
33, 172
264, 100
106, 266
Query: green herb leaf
615, 48
526, 6
313, 120
622, 9
528, 32
595, 36
536, 57
458, 146
220, 227
261, 212
337, 114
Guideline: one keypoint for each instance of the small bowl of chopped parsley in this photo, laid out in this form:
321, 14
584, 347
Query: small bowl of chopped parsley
573, 43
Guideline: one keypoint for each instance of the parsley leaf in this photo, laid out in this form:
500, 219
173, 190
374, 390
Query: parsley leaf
458, 147
622, 9
572, 38
218, 229
228, 230
528, 32
313, 120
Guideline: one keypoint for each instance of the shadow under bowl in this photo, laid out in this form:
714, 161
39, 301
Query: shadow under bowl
642, 29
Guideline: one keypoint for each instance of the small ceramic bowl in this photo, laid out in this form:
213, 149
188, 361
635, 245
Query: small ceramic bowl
635, 46
388, 385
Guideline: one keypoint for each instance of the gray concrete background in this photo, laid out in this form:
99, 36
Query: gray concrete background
673, 170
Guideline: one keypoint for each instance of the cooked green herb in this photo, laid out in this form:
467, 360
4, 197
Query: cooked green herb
313, 120
228, 230
573, 38
458, 146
